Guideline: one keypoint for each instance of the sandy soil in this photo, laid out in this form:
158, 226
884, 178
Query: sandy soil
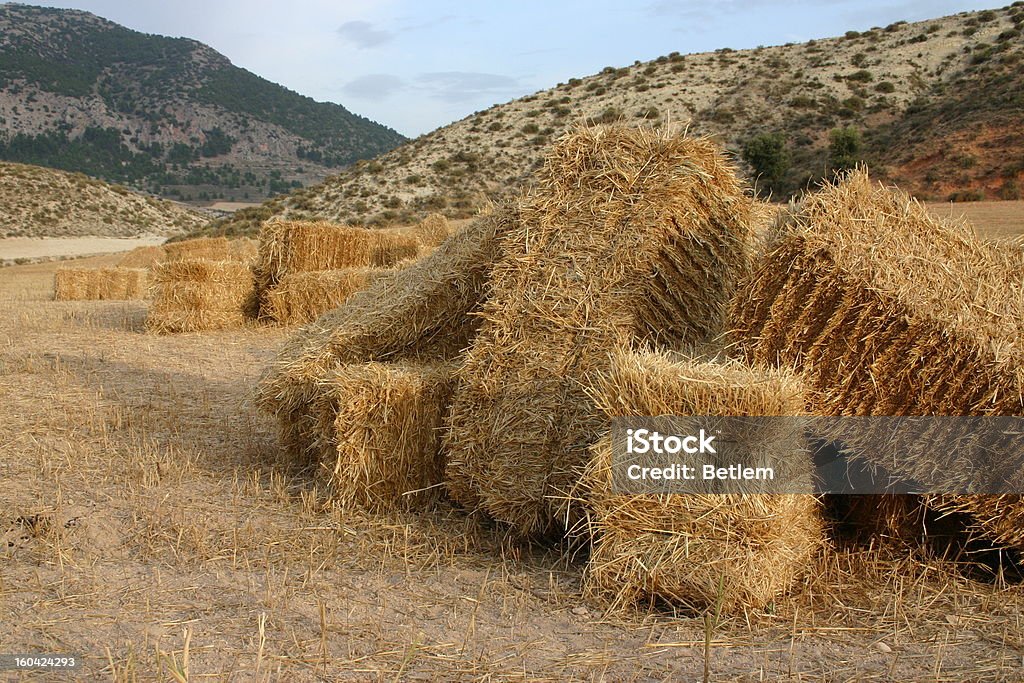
57, 247
150, 525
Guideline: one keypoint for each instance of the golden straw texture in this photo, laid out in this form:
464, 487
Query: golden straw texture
303, 297
379, 433
732, 551
631, 237
97, 284
196, 295
425, 311
888, 310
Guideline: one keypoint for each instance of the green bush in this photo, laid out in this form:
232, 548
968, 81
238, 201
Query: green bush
768, 157
844, 149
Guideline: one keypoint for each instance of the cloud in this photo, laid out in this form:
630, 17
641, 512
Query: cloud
363, 35
460, 86
374, 87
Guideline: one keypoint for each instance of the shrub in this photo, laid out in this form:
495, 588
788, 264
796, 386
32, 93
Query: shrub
768, 157
862, 76
885, 87
844, 150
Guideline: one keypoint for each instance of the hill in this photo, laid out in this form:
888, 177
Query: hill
169, 115
42, 202
935, 106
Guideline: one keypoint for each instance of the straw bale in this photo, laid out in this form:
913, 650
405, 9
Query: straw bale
631, 237
425, 311
100, 284
889, 310
737, 551
287, 247
195, 295
142, 257
433, 230
379, 433
243, 249
304, 297
208, 248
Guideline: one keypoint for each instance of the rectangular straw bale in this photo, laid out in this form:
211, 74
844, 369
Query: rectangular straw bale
425, 311
207, 248
433, 230
243, 249
734, 550
631, 237
287, 247
142, 257
196, 295
889, 310
303, 297
100, 284
379, 433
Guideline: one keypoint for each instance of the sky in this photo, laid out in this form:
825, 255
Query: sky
418, 65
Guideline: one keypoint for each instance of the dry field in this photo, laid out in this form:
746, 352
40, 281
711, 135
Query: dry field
995, 220
148, 525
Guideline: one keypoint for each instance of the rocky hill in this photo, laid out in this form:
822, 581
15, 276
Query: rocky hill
42, 202
935, 106
168, 115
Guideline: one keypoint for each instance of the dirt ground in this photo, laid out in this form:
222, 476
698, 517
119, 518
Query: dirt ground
149, 525
41, 248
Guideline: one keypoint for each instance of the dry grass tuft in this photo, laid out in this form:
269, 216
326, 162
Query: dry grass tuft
632, 237
890, 311
195, 295
100, 284
728, 552
303, 297
379, 427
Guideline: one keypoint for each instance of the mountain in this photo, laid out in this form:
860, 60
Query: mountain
169, 115
43, 202
935, 106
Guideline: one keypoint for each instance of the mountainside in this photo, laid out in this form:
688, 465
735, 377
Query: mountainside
935, 106
42, 202
169, 115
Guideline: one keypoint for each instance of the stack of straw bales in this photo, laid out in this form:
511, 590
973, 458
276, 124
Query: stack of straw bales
425, 312
192, 295
94, 284
891, 311
378, 428
287, 247
631, 238
304, 297
702, 550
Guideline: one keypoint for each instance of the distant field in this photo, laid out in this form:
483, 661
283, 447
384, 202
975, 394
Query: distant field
55, 247
997, 220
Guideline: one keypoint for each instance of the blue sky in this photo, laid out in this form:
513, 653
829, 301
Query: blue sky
416, 66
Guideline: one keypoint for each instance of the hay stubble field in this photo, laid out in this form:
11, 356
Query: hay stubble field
151, 526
